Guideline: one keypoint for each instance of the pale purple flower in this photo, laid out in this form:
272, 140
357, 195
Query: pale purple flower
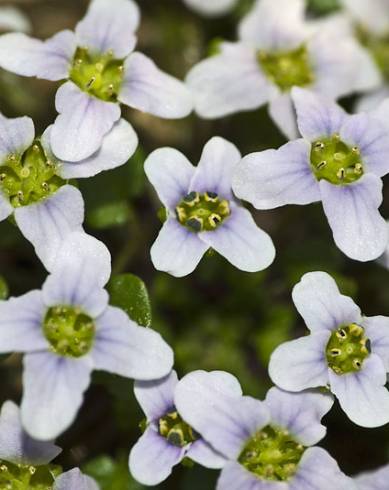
339, 160
277, 49
33, 182
203, 213
211, 8
18, 448
345, 351
278, 434
67, 330
13, 19
373, 480
101, 72
167, 439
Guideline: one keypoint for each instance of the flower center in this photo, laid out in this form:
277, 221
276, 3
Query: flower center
69, 331
334, 161
30, 177
347, 348
175, 430
27, 477
202, 212
272, 454
378, 47
287, 69
100, 75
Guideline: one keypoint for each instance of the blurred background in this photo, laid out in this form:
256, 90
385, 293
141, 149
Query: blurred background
218, 317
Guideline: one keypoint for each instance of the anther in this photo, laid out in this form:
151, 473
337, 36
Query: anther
35, 147
31, 470
2, 177
45, 186
20, 195
341, 173
341, 334
214, 220
121, 68
91, 82
322, 164
335, 352
3, 467
355, 150
195, 223
357, 363
110, 88
319, 146
211, 196
358, 168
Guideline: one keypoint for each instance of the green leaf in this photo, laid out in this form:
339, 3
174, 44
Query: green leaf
109, 215
4, 291
129, 292
111, 474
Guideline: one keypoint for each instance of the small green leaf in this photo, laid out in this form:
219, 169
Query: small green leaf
109, 215
111, 474
4, 291
130, 293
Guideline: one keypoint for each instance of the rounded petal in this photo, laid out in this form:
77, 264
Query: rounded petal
211, 7
359, 230
177, 250
377, 331
156, 397
16, 446
122, 347
241, 241
235, 477
214, 171
317, 116
5, 207
227, 83
109, 25
300, 364
49, 222
12, 19
282, 112
147, 88
53, 393
203, 454
170, 172
373, 101
300, 413
152, 458
373, 480
75, 479
30, 57
82, 123
21, 323
373, 15
319, 302
273, 178
362, 395
16, 135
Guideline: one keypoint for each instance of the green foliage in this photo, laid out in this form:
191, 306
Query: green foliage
4, 291
111, 474
109, 215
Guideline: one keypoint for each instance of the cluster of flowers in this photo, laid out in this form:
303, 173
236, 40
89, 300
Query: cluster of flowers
67, 329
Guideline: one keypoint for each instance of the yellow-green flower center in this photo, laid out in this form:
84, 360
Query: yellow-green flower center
347, 348
175, 430
29, 177
100, 75
69, 331
27, 477
336, 162
272, 454
202, 212
378, 47
287, 69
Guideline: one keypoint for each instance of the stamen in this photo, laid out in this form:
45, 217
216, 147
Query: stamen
322, 164
91, 82
341, 173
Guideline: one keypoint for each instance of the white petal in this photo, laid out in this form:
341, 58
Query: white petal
202, 453
49, 222
147, 88
30, 57
373, 480
21, 323
241, 241
170, 172
122, 347
176, 249
319, 302
5, 207
12, 19
82, 123
211, 7
273, 178
373, 15
156, 397
362, 395
372, 101
234, 476
109, 25
377, 331
359, 230
282, 112
16, 135
214, 171
300, 364
74, 479
53, 392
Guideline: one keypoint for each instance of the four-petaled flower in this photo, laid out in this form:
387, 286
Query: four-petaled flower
345, 351
67, 330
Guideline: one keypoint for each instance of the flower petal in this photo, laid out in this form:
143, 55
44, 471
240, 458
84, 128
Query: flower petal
156, 397
147, 88
359, 230
122, 347
152, 458
211, 403
300, 364
16, 446
170, 172
362, 395
214, 171
203, 454
228, 83
317, 116
12, 19
82, 123
373, 480
53, 392
273, 178
21, 323
377, 331
30, 57
5, 207
176, 249
49, 222
372, 101
82, 268
211, 7
75, 479
109, 25
282, 112
374, 15
235, 477
319, 302
300, 413
241, 241
16, 135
